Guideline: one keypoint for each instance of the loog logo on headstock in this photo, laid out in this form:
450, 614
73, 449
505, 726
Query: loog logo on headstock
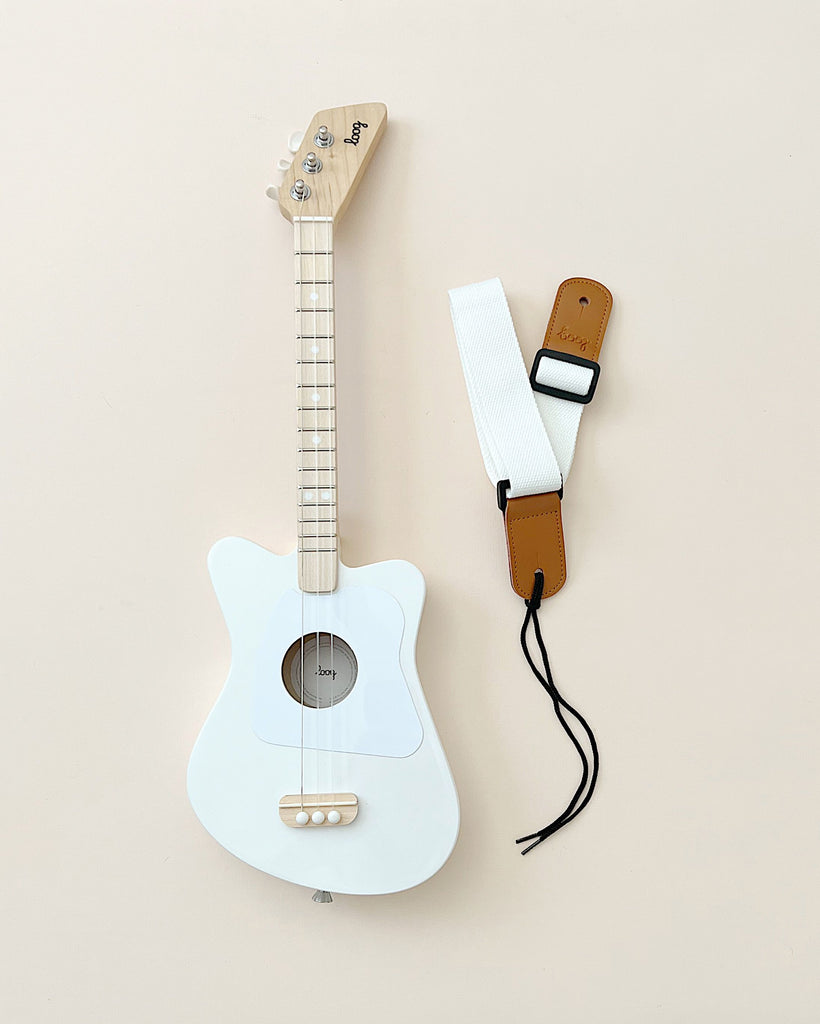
330, 160
355, 132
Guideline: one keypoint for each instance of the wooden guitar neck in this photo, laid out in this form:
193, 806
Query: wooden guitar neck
318, 545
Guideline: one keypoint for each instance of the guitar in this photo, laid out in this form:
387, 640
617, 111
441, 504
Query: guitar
320, 763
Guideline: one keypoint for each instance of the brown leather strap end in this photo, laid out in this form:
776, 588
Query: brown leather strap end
579, 318
535, 540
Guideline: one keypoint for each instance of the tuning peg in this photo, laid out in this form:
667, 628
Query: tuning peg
272, 192
295, 141
284, 163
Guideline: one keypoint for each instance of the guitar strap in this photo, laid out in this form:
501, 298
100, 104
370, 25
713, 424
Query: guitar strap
527, 424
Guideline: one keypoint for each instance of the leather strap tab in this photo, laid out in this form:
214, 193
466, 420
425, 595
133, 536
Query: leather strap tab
579, 318
535, 540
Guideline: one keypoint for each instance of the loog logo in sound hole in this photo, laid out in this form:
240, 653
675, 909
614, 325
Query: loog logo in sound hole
319, 670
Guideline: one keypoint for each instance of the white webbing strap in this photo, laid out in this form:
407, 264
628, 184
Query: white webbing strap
525, 437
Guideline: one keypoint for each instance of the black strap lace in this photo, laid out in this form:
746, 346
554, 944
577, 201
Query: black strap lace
589, 774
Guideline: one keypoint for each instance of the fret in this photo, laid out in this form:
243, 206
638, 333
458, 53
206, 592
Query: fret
314, 459
316, 267
306, 356
316, 404
317, 478
310, 481
312, 393
318, 528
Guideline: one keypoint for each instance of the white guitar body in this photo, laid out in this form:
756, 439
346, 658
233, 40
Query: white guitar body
320, 763
379, 742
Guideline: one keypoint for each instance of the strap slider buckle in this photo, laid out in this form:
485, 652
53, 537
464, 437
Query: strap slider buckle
501, 494
564, 357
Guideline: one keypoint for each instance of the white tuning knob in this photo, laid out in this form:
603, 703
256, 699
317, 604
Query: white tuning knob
284, 163
295, 141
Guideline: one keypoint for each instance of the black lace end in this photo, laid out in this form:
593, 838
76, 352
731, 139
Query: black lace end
589, 765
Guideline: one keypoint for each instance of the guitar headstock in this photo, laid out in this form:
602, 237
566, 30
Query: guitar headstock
329, 160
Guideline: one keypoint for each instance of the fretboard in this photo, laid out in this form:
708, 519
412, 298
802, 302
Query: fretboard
316, 405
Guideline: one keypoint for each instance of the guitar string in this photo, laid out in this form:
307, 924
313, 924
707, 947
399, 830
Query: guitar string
300, 420
318, 584
332, 492
322, 585
333, 475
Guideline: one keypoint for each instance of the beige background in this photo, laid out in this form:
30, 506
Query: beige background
147, 411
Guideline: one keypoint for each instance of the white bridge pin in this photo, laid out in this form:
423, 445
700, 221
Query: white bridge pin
302, 818
318, 817
334, 817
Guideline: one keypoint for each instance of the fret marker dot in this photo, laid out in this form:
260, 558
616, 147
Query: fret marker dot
309, 496
314, 296
314, 349
316, 439
315, 396
325, 495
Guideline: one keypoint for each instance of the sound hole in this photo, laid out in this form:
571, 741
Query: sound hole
330, 670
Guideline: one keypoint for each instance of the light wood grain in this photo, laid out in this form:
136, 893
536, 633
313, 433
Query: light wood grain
343, 163
317, 535
356, 131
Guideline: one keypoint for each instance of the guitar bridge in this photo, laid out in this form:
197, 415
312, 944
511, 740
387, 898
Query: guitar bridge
310, 810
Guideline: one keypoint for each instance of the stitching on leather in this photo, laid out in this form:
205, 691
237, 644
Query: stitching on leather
559, 534
603, 320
